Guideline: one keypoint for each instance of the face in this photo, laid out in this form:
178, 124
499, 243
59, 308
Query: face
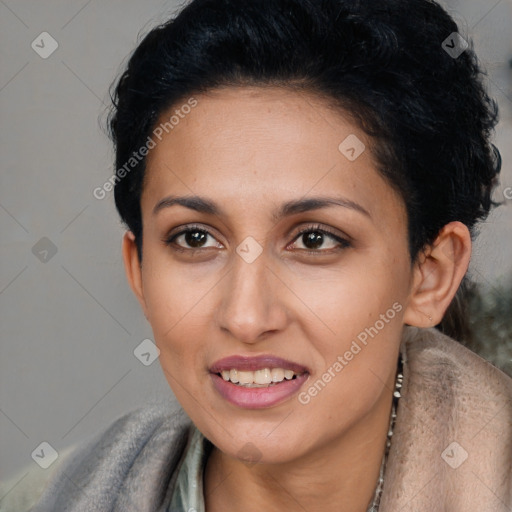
272, 253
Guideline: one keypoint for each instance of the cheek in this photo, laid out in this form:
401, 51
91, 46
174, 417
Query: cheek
173, 291
169, 301
180, 305
355, 345
338, 304
354, 333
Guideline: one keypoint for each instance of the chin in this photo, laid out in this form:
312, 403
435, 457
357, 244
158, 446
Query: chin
260, 447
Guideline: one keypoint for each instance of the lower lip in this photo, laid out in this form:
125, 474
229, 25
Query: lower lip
257, 398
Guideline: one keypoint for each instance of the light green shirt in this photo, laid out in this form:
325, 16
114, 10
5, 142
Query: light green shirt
188, 494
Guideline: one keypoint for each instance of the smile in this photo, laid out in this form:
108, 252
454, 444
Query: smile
257, 382
259, 378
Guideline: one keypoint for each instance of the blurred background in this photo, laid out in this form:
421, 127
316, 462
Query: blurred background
69, 323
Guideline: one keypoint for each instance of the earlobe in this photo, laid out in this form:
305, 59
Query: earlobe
133, 268
437, 275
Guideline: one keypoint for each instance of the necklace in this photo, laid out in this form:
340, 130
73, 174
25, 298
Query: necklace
374, 507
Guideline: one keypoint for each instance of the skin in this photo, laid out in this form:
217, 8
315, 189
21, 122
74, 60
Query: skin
249, 150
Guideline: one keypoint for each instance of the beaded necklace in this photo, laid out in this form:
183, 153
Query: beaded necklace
374, 506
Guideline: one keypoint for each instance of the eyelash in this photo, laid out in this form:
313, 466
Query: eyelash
316, 228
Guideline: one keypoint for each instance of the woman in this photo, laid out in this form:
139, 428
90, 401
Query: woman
301, 182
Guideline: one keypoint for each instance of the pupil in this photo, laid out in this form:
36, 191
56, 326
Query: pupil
195, 238
313, 239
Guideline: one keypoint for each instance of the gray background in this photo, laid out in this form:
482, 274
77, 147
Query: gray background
69, 325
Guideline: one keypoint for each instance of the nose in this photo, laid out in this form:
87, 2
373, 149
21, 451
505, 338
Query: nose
252, 304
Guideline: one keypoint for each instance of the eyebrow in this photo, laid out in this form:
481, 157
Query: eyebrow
204, 205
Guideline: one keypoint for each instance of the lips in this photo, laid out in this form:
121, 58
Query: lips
256, 363
257, 382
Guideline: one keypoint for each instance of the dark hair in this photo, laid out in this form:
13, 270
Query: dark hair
383, 62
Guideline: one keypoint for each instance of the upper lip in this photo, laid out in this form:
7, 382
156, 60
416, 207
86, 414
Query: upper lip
253, 363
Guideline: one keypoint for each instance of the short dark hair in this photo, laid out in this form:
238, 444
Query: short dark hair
382, 62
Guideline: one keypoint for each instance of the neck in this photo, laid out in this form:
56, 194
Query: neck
342, 474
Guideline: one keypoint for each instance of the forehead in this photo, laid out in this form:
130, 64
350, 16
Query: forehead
263, 145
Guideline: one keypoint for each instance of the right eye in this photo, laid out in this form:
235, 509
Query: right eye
191, 239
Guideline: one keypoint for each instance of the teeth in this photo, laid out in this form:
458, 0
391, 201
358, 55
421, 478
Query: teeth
277, 374
258, 378
262, 376
245, 377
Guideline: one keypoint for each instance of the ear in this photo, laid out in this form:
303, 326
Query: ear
133, 268
437, 275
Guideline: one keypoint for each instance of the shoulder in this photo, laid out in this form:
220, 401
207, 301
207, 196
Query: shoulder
140, 450
21, 491
458, 384
460, 410
434, 357
452, 442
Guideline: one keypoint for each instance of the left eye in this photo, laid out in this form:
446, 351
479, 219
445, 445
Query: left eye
314, 239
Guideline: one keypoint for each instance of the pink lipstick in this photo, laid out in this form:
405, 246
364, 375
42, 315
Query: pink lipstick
257, 382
